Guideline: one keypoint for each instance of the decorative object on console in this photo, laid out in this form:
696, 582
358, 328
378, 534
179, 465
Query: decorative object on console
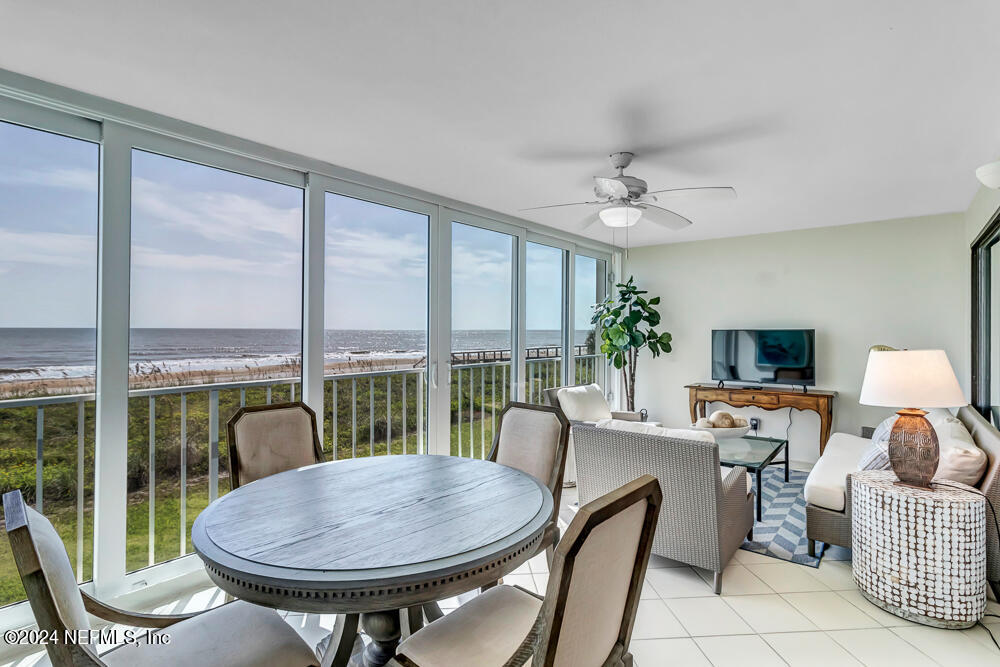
912, 377
723, 425
628, 324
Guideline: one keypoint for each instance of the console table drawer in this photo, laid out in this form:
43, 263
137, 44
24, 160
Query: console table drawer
754, 397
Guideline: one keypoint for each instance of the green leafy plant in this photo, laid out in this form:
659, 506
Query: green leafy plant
628, 323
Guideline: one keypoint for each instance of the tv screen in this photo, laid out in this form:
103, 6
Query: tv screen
765, 356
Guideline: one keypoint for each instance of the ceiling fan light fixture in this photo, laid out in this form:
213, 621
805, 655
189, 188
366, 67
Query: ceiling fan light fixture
620, 216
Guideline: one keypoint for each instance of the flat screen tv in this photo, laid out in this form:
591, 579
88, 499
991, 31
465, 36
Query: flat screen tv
764, 356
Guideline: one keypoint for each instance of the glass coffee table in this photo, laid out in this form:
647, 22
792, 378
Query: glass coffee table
754, 453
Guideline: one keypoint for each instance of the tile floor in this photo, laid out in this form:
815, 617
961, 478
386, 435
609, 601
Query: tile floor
770, 613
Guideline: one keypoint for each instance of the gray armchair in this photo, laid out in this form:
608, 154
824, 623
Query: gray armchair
707, 510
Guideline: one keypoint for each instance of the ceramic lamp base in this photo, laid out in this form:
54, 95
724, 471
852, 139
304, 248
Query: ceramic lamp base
913, 449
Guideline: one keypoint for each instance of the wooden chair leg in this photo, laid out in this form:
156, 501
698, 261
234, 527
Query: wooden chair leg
550, 554
411, 620
342, 642
432, 611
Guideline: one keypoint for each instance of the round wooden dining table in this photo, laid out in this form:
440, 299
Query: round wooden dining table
372, 539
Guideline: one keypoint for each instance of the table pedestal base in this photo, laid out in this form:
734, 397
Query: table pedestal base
383, 628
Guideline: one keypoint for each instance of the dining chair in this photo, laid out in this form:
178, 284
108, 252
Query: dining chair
532, 438
268, 439
585, 618
237, 633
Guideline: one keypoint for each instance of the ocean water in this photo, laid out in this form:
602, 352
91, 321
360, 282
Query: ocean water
53, 353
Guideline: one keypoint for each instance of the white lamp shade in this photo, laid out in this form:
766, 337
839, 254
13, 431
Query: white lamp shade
911, 379
989, 175
620, 216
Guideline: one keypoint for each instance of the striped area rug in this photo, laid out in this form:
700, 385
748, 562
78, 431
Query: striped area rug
782, 532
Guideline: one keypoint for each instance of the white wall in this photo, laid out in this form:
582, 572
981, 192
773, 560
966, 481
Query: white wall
898, 282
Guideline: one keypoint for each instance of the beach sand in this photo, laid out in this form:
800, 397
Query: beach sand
155, 378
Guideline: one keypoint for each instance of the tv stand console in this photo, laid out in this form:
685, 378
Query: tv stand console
817, 400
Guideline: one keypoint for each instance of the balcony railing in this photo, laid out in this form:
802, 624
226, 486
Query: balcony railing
175, 463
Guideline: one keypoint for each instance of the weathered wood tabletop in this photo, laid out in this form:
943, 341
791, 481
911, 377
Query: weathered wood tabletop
372, 536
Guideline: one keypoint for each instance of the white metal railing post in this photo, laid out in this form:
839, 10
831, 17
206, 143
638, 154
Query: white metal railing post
111, 453
313, 308
184, 446
81, 416
39, 456
152, 479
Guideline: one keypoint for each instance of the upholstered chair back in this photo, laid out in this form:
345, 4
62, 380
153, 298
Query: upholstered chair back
268, 439
37, 547
532, 438
596, 578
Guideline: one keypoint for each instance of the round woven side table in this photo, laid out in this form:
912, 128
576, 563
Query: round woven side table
920, 554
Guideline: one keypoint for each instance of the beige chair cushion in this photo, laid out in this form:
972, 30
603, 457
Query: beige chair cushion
649, 428
599, 584
272, 441
58, 572
237, 633
585, 403
528, 441
826, 483
484, 632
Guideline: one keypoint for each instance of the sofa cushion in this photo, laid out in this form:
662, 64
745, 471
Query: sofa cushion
585, 403
825, 484
651, 429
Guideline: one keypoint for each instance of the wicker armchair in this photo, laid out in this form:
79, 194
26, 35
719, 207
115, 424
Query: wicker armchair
552, 398
705, 515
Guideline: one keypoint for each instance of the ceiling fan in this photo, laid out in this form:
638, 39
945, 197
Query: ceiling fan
623, 200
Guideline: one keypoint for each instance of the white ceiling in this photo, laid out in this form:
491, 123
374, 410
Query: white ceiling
818, 113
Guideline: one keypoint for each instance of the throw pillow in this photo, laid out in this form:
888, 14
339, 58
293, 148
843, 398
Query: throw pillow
585, 403
960, 459
648, 429
875, 456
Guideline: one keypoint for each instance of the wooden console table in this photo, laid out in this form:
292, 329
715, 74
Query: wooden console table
819, 401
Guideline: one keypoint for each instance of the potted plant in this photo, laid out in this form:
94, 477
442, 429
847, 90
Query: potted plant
628, 324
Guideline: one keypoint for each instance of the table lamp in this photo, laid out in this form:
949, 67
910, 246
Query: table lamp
913, 378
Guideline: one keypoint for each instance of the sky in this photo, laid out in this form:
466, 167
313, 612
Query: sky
215, 249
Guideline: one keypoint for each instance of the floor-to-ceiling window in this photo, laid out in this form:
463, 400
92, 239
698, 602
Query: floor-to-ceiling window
375, 338
545, 284
216, 299
482, 337
48, 292
217, 277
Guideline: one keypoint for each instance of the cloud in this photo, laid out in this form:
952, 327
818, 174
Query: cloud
373, 255
49, 248
484, 266
217, 215
76, 178
152, 258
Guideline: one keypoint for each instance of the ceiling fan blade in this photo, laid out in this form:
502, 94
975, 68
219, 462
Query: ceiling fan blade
609, 187
589, 221
696, 194
664, 218
578, 203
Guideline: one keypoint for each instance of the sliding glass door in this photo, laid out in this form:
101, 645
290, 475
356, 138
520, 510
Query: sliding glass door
590, 288
482, 334
545, 313
375, 339
48, 335
216, 312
